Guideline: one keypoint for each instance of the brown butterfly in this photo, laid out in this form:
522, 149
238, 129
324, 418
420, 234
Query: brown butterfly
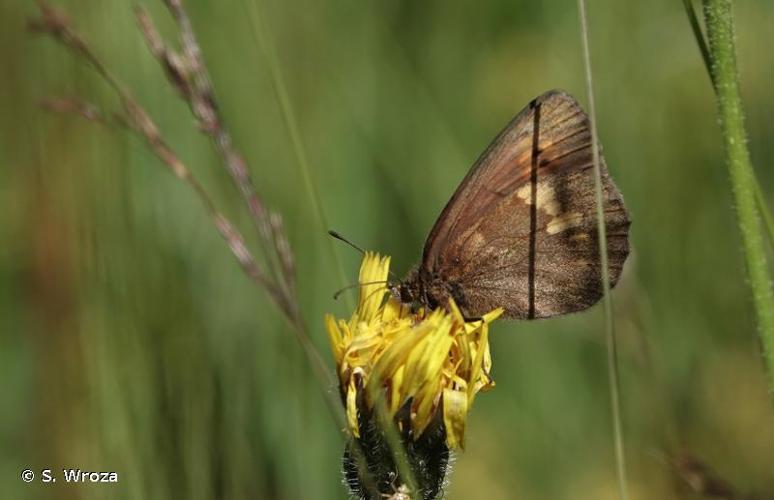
520, 232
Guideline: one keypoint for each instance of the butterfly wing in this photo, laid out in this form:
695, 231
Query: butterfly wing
520, 232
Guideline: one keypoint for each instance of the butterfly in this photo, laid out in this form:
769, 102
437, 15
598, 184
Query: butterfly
520, 232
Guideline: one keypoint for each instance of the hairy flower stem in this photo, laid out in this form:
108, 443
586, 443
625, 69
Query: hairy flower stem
698, 34
720, 32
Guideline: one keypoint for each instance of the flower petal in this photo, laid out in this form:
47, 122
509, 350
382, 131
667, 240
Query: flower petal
374, 269
455, 410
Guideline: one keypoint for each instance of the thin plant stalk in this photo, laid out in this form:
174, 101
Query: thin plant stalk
265, 42
612, 348
719, 21
699, 36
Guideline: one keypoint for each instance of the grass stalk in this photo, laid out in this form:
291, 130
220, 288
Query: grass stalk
722, 51
264, 39
610, 336
134, 116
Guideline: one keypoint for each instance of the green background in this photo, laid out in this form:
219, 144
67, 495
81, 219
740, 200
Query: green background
130, 341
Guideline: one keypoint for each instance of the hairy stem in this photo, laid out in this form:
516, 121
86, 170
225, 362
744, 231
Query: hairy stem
705, 55
699, 35
720, 32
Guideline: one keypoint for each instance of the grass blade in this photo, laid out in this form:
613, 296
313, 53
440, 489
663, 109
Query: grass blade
612, 349
264, 39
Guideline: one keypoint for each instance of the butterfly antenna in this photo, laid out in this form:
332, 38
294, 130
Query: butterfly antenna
355, 285
341, 238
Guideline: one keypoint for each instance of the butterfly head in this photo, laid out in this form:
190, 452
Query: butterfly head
420, 289
413, 290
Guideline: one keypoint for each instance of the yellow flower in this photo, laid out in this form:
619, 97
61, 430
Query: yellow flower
434, 360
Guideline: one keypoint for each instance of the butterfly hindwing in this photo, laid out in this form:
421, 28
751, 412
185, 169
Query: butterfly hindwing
520, 232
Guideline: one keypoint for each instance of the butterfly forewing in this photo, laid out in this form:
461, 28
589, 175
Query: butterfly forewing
520, 232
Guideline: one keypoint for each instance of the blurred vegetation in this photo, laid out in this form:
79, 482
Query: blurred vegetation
131, 341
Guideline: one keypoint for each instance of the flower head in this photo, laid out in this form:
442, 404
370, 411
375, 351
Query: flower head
427, 366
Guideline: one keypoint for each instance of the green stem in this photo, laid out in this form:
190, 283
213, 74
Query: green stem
720, 32
265, 42
697, 33
607, 299
768, 220
702, 43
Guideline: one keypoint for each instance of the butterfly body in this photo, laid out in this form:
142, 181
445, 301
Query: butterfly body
422, 288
